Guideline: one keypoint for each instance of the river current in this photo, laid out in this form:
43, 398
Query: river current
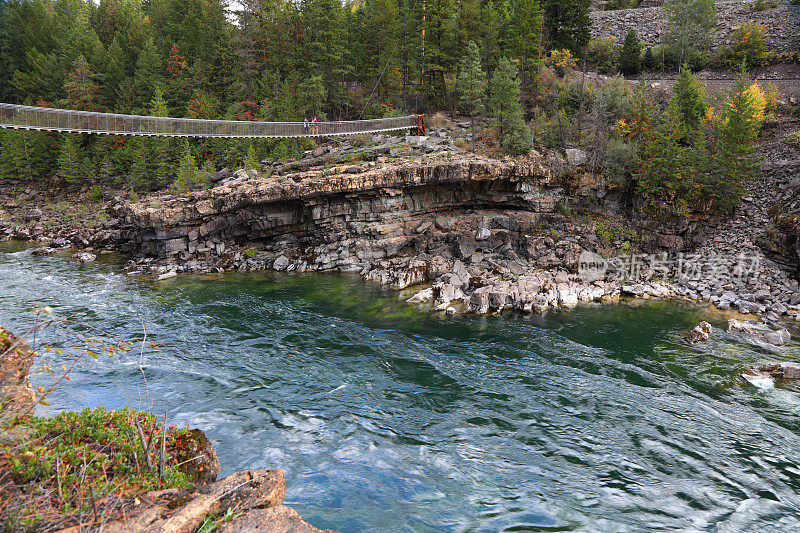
386, 418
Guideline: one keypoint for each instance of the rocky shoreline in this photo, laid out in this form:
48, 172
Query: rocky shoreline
476, 234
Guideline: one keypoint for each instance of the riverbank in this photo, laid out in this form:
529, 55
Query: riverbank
475, 234
383, 415
119, 471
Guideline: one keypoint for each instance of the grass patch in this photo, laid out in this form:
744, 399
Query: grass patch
81, 468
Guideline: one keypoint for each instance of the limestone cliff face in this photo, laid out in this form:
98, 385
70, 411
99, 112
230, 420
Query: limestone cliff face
332, 220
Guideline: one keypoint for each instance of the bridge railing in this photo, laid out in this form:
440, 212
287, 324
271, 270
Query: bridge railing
66, 120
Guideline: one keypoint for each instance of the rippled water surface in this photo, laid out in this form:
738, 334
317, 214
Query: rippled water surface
386, 418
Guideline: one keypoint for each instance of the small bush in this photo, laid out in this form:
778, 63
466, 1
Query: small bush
573, 95
561, 61
96, 193
615, 99
602, 53
750, 44
794, 139
619, 161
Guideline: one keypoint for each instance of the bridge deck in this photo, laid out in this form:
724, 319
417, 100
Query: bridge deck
66, 120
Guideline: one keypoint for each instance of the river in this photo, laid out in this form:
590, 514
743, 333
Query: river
384, 417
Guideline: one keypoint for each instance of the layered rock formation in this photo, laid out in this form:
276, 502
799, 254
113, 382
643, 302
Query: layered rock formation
332, 220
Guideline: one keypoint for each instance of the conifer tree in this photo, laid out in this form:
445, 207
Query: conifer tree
515, 137
187, 174
690, 26
114, 73
517, 140
148, 75
82, 90
70, 163
505, 92
649, 61
735, 159
251, 160
688, 95
665, 181
568, 23
311, 97
472, 86
630, 57
140, 171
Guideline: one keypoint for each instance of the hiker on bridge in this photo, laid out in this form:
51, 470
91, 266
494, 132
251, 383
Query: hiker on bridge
305, 126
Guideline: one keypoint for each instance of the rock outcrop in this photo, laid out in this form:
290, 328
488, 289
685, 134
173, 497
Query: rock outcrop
16, 393
782, 23
257, 495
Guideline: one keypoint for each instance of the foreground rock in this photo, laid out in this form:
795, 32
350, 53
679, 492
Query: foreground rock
17, 397
258, 494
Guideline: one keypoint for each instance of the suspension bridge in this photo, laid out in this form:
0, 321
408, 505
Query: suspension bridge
66, 120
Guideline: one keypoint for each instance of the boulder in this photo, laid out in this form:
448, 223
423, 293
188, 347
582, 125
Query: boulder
425, 295
281, 263
196, 457
700, 333
577, 157
279, 519
83, 257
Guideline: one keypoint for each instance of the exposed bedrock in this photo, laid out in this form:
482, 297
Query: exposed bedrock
446, 209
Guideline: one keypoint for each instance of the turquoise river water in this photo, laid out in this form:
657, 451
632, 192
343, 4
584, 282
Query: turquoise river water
386, 418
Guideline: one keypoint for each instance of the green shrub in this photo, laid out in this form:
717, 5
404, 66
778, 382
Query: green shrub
602, 53
794, 139
97, 454
619, 161
615, 99
96, 193
749, 44
573, 95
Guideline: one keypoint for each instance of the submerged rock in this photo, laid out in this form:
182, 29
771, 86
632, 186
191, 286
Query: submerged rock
83, 257
700, 333
754, 332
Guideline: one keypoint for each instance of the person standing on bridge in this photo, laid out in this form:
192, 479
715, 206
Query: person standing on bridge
305, 126
315, 129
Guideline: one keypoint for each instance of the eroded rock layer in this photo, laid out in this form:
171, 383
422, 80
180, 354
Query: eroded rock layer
330, 221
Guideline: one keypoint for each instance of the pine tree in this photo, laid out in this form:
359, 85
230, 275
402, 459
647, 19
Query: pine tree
311, 97
630, 57
158, 107
688, 95
251, 160
148, 75
115, 72
140, 172
515, 137
70, 162
83, 92
505, 91
472, 86
187, 174
517, 140
568, 22
649, 61
324, 24
525, 24
665, 180
735, 159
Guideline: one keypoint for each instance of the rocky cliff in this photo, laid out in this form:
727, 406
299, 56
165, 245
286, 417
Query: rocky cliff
331, 220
